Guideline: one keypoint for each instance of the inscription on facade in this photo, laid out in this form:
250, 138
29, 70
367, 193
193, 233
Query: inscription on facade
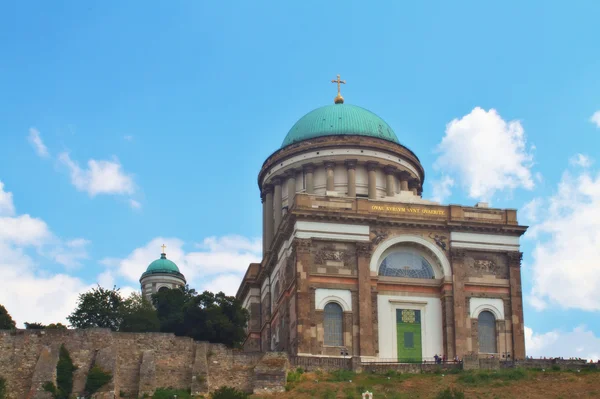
408, 210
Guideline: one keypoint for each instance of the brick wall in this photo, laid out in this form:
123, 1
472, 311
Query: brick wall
139, 363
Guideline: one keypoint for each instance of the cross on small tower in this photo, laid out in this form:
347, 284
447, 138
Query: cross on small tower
338, 99
163, 248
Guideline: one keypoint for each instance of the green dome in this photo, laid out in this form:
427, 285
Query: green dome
162, 265
339, 119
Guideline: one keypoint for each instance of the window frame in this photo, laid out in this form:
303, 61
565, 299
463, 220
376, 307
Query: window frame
327, 335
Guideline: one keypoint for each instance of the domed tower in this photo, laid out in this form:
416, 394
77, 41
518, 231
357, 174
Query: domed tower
357, 263
161, 274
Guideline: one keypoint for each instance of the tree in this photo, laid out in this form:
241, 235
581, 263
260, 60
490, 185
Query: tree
170, 307
138, 315
206, 317
98, 307
216, 318
6, 322
56, 326
34, 326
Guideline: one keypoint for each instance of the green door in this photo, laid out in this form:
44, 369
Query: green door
408, 330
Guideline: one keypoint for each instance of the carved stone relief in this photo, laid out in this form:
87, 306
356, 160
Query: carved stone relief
379, 235
441, 241
485, 266
330, 253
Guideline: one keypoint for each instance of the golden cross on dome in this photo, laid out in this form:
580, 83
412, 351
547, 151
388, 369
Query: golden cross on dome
338, 99
163, 248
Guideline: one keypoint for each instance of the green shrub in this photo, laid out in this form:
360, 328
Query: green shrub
228, 393
164, 393
96, 378
3, 389
450, 393
556, 367
64, 376
342, 375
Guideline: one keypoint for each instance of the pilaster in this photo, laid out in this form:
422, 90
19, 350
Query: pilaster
366, 338
516, 304
303, 294
461, 329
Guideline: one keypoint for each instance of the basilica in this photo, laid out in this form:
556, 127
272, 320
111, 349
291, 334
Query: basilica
356, 263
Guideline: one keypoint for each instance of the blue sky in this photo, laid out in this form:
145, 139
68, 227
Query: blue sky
126, 125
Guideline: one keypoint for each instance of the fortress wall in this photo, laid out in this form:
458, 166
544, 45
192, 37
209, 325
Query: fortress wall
139, 362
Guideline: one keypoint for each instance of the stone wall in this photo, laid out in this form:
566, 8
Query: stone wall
139, 363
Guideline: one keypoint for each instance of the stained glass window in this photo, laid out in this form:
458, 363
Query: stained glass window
487, 332
406, 264
333, 325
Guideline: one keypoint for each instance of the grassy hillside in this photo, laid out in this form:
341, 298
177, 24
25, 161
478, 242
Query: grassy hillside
516, 383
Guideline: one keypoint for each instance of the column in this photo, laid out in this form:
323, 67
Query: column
372, 169
276, 203
390, 183
309, 168
291, 187
516, 305
351, 169
414, 185
404, 176
365, 311
264, 223
268, 189
329, 166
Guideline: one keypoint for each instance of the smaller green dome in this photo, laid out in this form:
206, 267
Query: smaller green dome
162, 265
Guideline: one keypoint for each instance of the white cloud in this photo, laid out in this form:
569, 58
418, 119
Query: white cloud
595, 119
134, 204
128, 138
36, 141
442, 188
221, 258
227, 283
580, 342
567, 247
485, 154
581, 160
530, 210
29, 293
24, 230
7, 207
101, 177
71, 253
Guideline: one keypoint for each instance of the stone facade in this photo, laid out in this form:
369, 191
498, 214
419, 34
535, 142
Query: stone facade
340, 257
139, 363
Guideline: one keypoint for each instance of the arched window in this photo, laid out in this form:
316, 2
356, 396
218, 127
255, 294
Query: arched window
333, 325
406, 264
487, 332
163, 288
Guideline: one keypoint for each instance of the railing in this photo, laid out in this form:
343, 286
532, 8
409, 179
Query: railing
324, 363
395, 360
